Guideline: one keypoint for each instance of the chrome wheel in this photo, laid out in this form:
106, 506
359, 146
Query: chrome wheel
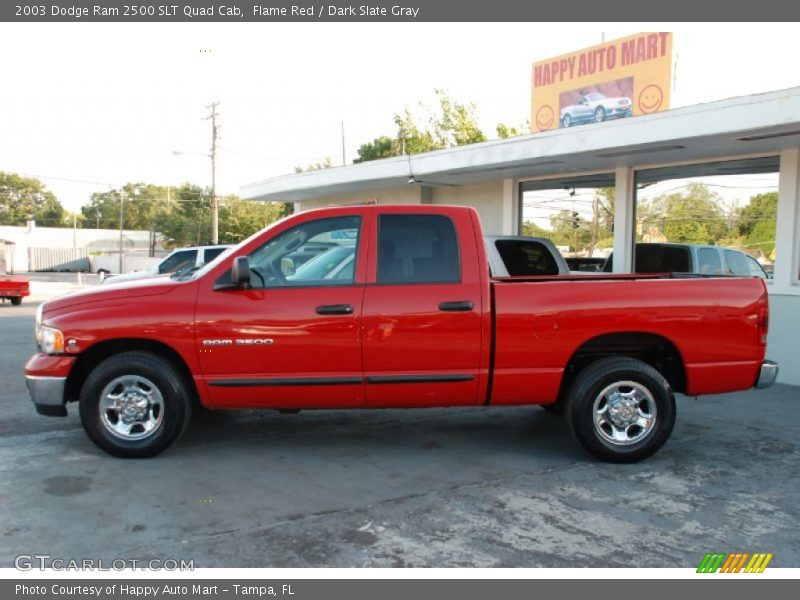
624, 413
131, 407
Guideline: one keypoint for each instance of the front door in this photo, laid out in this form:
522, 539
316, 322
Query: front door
293, 340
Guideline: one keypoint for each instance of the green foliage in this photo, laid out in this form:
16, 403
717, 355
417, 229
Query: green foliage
380, 147
564, 234
532, 229
325, 164
239, 219
756, 223
25, 198
504, 131
181, 215
451, 124
695, 215
456, 126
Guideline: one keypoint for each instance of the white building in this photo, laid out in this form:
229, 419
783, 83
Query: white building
17, 243
744, 135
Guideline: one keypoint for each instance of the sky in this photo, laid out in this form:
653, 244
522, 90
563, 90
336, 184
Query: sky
89, 106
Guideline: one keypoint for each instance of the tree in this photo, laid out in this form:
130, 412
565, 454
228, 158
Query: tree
325, 164
239, 218
694, 215
450, 124
25, 198
143, 202
380, 147
757, 221
564, 232
504, 131
181, 215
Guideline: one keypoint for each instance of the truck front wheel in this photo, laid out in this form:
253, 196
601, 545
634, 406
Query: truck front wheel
134, 405
621, 409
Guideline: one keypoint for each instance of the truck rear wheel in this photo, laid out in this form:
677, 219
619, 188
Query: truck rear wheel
134, 405
16, 300
621, 409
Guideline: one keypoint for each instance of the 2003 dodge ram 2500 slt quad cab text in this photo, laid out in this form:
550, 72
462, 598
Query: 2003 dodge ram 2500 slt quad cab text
393, 306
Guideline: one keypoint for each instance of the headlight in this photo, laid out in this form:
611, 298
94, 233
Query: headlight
49, 339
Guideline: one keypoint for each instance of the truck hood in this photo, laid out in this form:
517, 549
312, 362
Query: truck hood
152, 286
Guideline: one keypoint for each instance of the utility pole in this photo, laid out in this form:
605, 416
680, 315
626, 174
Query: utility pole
121, 216
344, 159
595, 219
213, 156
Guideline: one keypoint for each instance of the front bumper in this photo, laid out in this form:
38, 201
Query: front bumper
47, 394
767, 374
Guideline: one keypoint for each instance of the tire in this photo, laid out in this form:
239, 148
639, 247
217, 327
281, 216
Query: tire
16, 300
642, 403
158, 405
600, 114
566, 121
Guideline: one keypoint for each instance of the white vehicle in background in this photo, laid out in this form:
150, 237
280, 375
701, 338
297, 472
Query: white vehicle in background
523, 256
177, 260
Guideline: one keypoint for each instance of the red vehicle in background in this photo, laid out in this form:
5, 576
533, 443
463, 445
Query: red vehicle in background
394, 306
13, 287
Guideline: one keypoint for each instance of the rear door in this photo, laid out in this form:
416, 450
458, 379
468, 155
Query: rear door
423, 307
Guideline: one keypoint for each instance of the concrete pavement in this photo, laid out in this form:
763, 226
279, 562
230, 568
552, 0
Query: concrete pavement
454, 488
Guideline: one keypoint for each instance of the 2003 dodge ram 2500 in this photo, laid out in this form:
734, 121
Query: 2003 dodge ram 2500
393, 306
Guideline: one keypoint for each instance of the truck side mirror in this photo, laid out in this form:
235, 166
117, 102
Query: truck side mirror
240, 272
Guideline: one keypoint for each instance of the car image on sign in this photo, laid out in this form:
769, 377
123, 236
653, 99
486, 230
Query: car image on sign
595, 107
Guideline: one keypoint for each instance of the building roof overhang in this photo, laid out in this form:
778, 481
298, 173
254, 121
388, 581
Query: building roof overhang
759, 124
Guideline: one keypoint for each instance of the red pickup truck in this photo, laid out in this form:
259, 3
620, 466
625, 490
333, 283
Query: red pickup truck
13, 287
393, 306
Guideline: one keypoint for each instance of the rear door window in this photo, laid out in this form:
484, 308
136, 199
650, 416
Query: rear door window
709, 262
654, 258
417, 249
212, 253
525, 257
179, 260
736, 263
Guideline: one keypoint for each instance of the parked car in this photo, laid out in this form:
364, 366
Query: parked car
701, 259
13, 287
523, 256
595, 107
419, 322
177, 260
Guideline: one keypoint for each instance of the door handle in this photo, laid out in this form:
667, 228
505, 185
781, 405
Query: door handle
457, 306
335, 309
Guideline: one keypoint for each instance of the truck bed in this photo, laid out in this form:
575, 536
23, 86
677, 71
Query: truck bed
543, 323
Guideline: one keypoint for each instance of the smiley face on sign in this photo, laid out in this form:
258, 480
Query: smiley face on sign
545, 117
650, 99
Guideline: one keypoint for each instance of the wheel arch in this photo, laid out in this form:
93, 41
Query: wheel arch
97, 353
654, 349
